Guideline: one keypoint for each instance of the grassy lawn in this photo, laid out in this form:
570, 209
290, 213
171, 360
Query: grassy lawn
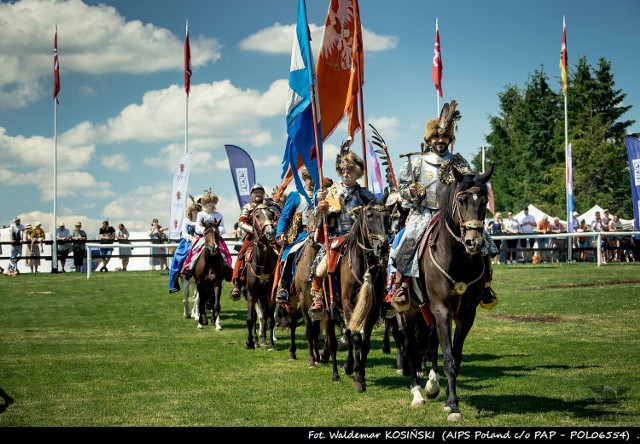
115, 351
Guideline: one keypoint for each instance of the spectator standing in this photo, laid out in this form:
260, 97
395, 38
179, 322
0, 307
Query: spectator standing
63, 237
617, 252
125, 252
511, 226
157, 254
598, 226
16, 229
496, 228
559, 245
78, 238
543, 242
106, 234
28, 246
527, 226
583, 241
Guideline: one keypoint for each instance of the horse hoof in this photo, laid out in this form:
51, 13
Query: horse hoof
187, 316
416, 404
447, 409
218, 328
200, 326
360, 387
250, 346
454, 417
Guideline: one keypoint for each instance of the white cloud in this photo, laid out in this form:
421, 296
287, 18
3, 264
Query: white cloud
108, 44
116, 162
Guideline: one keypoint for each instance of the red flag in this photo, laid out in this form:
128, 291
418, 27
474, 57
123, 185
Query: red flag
187, 63
337, 68
56, 68
436, 70
563, 58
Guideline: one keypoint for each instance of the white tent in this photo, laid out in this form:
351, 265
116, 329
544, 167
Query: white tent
590, 215
537, 213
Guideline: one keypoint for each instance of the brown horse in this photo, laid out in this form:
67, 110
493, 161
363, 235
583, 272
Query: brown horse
208, 274
452, 275
260, 271
361, 275
301, 297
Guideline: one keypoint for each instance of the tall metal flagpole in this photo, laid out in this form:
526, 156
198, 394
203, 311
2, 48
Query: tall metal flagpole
566, 149
54, 245
186, 105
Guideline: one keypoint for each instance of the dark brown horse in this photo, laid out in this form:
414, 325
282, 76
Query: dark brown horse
452, 275
301, 297
260, 271
361, 277
208, 274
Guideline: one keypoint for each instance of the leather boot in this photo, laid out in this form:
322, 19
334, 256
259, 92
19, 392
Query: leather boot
282, 293
400, 299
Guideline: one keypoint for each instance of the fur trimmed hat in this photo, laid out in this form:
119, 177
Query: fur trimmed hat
445, 124
209, 197
350, 161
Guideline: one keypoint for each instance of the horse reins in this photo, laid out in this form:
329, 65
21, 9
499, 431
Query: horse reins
459, 286
257, 239
364, 235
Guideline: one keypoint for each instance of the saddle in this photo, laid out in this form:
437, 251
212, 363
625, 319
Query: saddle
422, 242
335, 252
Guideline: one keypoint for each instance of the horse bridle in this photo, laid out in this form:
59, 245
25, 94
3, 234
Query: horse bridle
459, 286
212, 249
473, 224
258, 234
365, 236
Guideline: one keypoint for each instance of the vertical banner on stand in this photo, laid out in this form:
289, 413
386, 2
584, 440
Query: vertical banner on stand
569, 186
242, 172
377, 187
633, 152
179, 196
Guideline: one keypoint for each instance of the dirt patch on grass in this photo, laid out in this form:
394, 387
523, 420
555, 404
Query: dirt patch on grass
526, 318
583, 285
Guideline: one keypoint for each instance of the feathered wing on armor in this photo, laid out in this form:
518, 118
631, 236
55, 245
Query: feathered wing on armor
385, 159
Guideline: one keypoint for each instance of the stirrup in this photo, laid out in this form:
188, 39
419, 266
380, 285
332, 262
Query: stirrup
315, 312
400, 299
489, 298
235, 294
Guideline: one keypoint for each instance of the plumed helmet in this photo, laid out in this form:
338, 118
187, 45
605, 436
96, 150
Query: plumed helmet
257, 186
350, 161
445, 124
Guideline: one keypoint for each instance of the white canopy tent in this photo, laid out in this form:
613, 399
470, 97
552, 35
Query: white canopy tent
590, 215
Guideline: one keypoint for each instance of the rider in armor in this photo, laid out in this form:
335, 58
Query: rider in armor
244, 223
422, 181
290, 235
341, 198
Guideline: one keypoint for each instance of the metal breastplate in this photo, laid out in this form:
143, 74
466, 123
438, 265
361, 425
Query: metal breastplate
429, 164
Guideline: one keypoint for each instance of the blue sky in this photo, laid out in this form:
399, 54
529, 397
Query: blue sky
121, 118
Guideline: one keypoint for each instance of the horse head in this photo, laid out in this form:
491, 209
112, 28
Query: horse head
210, 233
373, 224
263, 220
465, 208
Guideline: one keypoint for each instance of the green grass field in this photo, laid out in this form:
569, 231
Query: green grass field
115, 351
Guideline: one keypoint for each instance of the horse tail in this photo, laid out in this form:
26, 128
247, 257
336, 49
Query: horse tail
364, 305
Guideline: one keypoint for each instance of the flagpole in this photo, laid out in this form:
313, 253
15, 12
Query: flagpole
325, 229
186, 104
568, 169
437, 95
361, 116
54, 245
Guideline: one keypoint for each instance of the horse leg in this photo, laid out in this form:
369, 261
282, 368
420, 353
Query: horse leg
195, 310
185, 298
271, 324
349, 362
386, 344
432, 387
215, 318
251, 324
293, 324
443, 322
202, 311
408, 348
331, 344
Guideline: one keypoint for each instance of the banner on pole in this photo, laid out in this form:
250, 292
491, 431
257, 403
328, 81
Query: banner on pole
569, 186
179, 195
377, 187
242, 172
633, 152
